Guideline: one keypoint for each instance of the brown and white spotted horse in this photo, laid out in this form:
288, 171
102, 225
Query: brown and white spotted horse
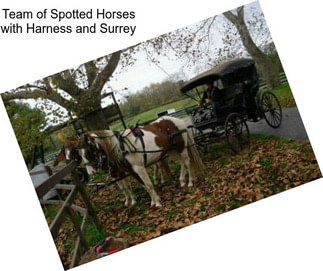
71, 143
122, 153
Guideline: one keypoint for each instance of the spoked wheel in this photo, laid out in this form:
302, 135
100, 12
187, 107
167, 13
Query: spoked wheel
82, 174
201, 140
236, 132
271, 109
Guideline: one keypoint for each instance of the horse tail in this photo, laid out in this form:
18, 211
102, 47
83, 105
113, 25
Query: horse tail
196, 162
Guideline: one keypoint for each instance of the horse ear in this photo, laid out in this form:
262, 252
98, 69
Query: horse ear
87, 139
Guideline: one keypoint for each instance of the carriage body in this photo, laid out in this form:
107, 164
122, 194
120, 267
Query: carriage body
239, 100
238, 83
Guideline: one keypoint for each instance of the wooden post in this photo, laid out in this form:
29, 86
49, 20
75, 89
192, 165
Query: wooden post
70, 213
33, 163
68, 207
87, 202
42, 155
78, 249
119, 111
58, 220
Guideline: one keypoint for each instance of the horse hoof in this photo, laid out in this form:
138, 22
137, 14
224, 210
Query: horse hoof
190, 184
182, 184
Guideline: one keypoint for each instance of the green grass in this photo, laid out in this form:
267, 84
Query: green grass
283, 92
152, 113
133, 228
234, 204
91, 233
284, 95
266, 162
171, 214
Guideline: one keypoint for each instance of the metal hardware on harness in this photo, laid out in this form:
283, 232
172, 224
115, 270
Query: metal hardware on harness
173, 134
138, 133
120, 138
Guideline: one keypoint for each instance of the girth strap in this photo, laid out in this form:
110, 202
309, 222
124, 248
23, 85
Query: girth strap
138, 133
143, 148
121, 141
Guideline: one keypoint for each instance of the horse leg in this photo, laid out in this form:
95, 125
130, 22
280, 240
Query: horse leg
122, 188
156, 171
187, 164
183, 174
162, 178
165, 171
128, 190
175, 156
143, 175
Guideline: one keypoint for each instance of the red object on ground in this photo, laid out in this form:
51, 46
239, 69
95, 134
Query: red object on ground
113, 250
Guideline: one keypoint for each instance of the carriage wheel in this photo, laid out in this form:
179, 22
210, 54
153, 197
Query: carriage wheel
201, 140
236, 132
271, 109
82, 174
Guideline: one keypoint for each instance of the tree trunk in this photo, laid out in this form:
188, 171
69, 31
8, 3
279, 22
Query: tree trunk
267, 69
95, 121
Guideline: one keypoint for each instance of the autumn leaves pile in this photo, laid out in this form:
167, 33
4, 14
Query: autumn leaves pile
270, 166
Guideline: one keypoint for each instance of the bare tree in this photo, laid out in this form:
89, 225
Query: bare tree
77, 90
82, 89
267, 68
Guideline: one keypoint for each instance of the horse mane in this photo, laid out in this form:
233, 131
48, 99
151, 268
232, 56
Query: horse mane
108, 142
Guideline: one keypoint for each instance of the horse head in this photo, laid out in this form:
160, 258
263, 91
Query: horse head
60, 157
91, 152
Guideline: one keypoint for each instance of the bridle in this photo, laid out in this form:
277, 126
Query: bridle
98, 156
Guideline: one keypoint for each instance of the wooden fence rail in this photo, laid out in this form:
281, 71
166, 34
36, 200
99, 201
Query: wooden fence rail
68, 207
282, 79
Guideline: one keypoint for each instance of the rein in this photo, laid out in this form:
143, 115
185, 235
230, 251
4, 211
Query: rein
124, 142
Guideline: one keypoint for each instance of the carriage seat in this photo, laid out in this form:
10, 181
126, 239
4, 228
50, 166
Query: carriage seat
232, 95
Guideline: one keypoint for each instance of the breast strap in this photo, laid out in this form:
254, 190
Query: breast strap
123, 141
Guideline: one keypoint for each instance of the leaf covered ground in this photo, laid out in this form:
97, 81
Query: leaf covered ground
268, 167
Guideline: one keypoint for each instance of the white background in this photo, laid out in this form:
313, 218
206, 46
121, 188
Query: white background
283, 232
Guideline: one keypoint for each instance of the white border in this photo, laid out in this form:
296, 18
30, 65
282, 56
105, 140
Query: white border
283, 232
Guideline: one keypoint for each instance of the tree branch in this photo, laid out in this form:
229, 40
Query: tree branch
26, 94
91, 71
240, 12
231, 17
40, 92
66, 83
105, 74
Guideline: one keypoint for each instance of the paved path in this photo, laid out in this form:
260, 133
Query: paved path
291, 127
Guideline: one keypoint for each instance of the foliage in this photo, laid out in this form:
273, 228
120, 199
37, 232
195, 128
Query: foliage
26, 123
150, 97
152, 113
81, 89
284, 95
270, 166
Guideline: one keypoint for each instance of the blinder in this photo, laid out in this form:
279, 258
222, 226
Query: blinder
96, 156
74, 155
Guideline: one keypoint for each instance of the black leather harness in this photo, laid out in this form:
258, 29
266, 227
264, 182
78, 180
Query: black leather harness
138, 133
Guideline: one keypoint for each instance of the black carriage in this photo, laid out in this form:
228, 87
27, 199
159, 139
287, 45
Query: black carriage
236, 99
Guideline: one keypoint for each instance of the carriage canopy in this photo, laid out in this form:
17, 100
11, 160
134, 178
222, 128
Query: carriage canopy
230, 72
